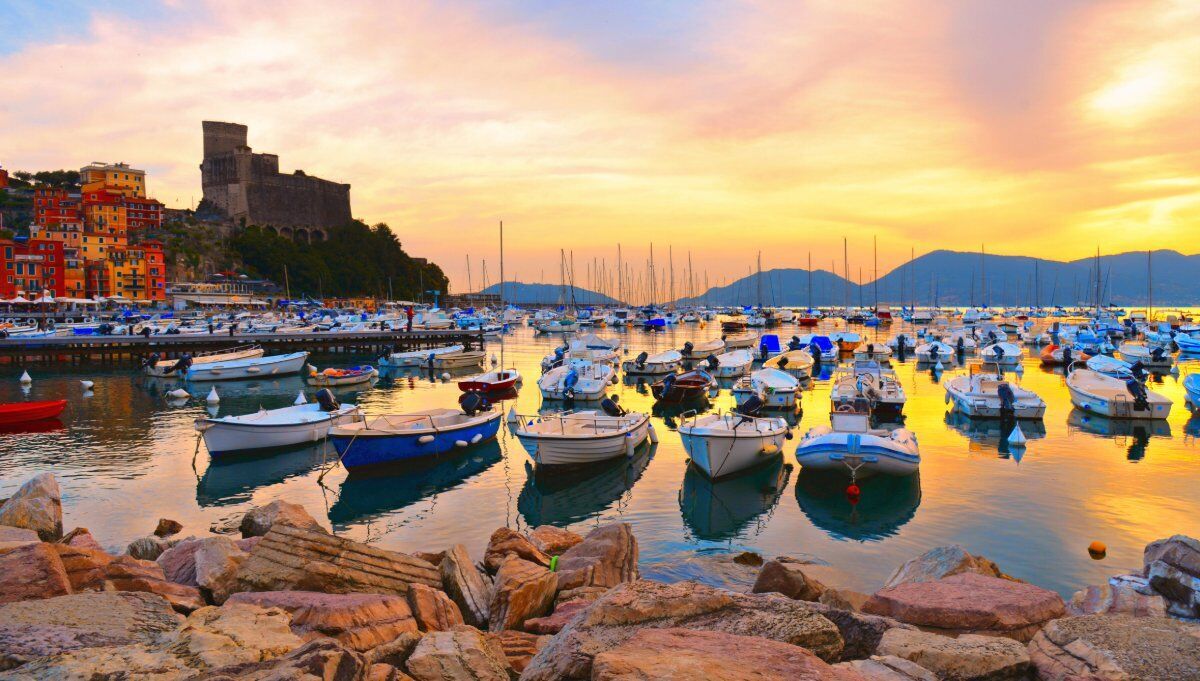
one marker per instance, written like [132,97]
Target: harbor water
[126,454]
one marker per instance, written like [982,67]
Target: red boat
[807,321]
[16,413]
[683,387]
[491,382]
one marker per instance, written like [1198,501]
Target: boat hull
[224,439]
[25,412]
[1117,408]
[718,456]
[282,365]
[833,451]
[566,451]
[325,381]
[366,449]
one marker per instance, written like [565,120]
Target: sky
[719,129]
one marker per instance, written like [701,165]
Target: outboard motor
[763,352]
[640,361]
[750,408]
[815,351]
[667,384]
[472,403]
[1158,353]
[1068,359]
[610,406]
[1008,400]
[326,400]
[961,345]
[783,361]
[794,343]
[712,362]
[901,342]
[991,336]
[182,365]
[152,360]
[1139,371]
[933,353]
[1137,391]
[687,349]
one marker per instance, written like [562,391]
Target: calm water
[125,456]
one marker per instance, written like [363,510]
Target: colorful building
[114,177]
[32,268]
[3,178]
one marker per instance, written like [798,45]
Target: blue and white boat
[1191,384]
[250,367]
[851,445]
[395,438]
[1187,344]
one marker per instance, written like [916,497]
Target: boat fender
[770,449]
[512,415]
[460,443]
[213,397]
[476,438]
[445,375]
[653,434]
[178,394]
[425,439]
[630,447]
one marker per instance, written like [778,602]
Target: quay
[72,348]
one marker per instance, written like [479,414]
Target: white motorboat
[459,360]
[1003,354]
[902,341]
[666,362]
[591,341]
[1152,356]
[798,363]
[581,437]
[166,367]
[871,381]
[731,364]
[776,389]
[722,444]
[742,340]
[566,325]
[271,428]
[935,351]
[251,367]
[1110,366]
[986,394]
[1115,398]
[875,351]
[962,341]
[578,380]
[415,358]
[846,341]
[702,349]
[828,349]
[850,444]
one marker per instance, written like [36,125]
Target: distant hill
[519,293]
[783,287]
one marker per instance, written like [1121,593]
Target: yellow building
[113,177]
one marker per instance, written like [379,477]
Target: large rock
[125,573]
[16,537]
[321,660]
[467,586]
[786,576]
[81,538]
[606,557]
[860,632]
[553,541]
[555,621]
[216,561]
[687,655]
[1117,596]
[85,567]
[147,548]
[459,655]
[167,527]
[523,590]
[433,609]
[32,629]
[37,506]
[943,561]
[260,519]
[395,652]
[969,657]
[1116,647]
[506,542]
[179,562]
[643,604]
[517,647]
[359,621]
[889,668]
[32,571]
[294,559]
[1173,567]
[969,603]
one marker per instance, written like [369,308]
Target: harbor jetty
[274,594]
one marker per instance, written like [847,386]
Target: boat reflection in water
[993,433]
[233,479]
[884,505]
[725,509]
[1136,433]
[387,489]
[565,495]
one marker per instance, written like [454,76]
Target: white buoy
[445,375]
[476,438]
[178,394]
[213,397]
[1020,369]
[25,378]
[1016,437]
[512,414]
[87,385]
[938,366]
[300,399]
[460,443]
[494,360]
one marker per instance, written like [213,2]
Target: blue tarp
[769,341]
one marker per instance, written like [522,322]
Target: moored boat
[459,360]
[982,393]
[355,375]
[165,367]
[849,444]
[583,437]
[415,358]
[252,367]
[1152,356]
[690,385]
[723,444]
[776,389]
[731,364]
[1003,353]
[798,363]
[1115,398]
[577,380]
[645,364]
[491,382]
[14,413]
[274,428]
[870,381]
[394,438]
[741,340]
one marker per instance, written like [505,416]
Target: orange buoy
[1097,550]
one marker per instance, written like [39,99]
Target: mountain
[519,293]
[958,278]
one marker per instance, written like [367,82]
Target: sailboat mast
[846,276]
[810,281]
[875,266]
[758,280]
[1149,290]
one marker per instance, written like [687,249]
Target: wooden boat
[166,367]
[850,444]
[273,428]
[341,377]
[395,438]
[253,367]
[1115,398]
[723,444]
[491,382]
[583,437]
[459,360]
[666,362]
[683,387]
[415,358]
[15,413]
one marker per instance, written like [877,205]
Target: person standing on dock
[408,312]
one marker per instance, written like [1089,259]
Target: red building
[156,270]
[142,214]
[32,268]
[54,207]
[3,178]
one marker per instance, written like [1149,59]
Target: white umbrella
[19,300]
[46,298]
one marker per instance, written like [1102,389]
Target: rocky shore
[290,600]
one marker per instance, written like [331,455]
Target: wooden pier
[79,348]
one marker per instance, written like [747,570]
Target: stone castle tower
[248,188]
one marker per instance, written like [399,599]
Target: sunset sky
[1039,127]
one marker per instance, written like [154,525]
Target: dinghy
[1056,355]
[15,413]
[396,438]
[902,342]
[577,380]
[582,437]
[1110,366]
[1003,354]
[934,352]
[253,367]
[1191,384]
[1115,398]
[742,340]
[459,360]
[775,389]
[153,366]
[666,362]
[415,358]
[690,385]
[875,351]
[849,444]
[333,378]
[1151,356]
[723,444]
[701,349]
[731,364]
[795,362]
[868,380]
[986,394]
[491,382]
[846,341]
[273,428]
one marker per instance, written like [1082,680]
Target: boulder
[37,506]
[385,672]
[553,541]
[843,599]
[125,573]
[888,668]
[260,519]
[1116,597]
[749,558]
[320,660]
[860,632]
[167,527]
[85,567]
[81,538]
[606,557]
[32,629]
[216,561]
[505,542]
[786,576]
[459,655]
[687,655]
[940,562]
[395,652]
[295,559]
[432,608]
[644,604]
[359,621]
[32,571]
[523,590]
[1116,647]
[147,548]
[517,647]
[1172,566]
[431,557]
[555,621]
[466,586]
[179,562]
[969,603]
[969,657]
[16,537]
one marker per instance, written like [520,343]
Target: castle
[249,189]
